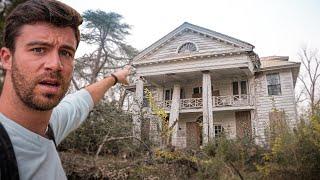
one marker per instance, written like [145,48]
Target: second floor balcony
[218,103]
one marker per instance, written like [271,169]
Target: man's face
[42,64]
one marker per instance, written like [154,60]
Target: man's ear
[6,58]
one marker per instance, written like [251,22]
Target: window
[235,88]
[197,90]
[218,130]
[243,87]
[182,94]
[273,81]
[187,47]
[168,94]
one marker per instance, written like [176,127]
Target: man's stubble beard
[24,88]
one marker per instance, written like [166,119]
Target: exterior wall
[204,44]
[264,102]
[228,121]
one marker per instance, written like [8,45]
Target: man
[40,39]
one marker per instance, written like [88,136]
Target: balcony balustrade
[218,101]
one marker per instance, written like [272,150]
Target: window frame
[170,95]
[267,83]
[239,87]
[199,89]
[217,135]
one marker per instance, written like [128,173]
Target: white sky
[274,27]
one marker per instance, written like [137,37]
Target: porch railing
[167,104]
[191,103]
[234,100]
[218,101]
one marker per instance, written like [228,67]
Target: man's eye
[66,53]
[38,50]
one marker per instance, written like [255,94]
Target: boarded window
[273,81]
[187,47]
[277,122]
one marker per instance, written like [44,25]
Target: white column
[137,109]
[208,130]
[174,112]
[251,100]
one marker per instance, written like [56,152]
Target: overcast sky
[274,27]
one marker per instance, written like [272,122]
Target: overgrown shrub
[294,153]
[231,159]
[104,120]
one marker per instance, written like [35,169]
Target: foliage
[105,34]
[294,154]
[164,128]
[100,133]
[230,159]
[104,120]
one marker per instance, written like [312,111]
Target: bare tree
[309,78]
[106,33]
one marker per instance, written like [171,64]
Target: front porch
[232,124]
[203,92]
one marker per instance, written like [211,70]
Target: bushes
[231,159]
[294,153]
[104,120]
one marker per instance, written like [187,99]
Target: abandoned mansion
[211,83]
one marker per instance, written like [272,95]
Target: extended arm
[98,89]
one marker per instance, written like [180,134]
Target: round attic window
[187,47]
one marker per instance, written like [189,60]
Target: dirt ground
[82,166]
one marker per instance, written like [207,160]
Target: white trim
[267,90]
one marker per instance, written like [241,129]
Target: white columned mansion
[213,83]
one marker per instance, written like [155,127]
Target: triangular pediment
[205,41]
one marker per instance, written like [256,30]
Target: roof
[276,61]
[187,26]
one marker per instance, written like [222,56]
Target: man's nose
[53,62]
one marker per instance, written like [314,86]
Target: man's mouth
[53,83]
[50,85]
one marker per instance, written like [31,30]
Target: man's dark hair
[34,11]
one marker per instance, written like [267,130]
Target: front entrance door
[243,124]
[193,135]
